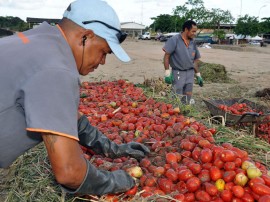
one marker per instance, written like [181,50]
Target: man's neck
[184,36]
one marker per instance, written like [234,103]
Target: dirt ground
[249,67]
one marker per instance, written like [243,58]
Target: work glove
[199,79]
[168,76]
[100,182]
[90,137]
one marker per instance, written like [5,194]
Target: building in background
[133,29]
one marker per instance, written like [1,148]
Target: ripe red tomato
[226,195]
[202,196]
[132,191]
[211,189]
[215,173]
[193,184]
[206,155]
[238,191]
[171,158]
[184,175]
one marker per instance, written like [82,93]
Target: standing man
[182,54]
[39,85]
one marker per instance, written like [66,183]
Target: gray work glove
[90,137]
[100,182]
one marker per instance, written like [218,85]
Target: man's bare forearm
[196,66]
[166,61]
[66,158]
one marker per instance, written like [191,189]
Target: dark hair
[188,24]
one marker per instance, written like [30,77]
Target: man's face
[95,52]
[192,32]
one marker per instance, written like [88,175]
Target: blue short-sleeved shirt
[39,90]
[181,56]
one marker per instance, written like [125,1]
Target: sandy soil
[250,67]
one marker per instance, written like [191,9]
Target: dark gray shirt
[39,85]
[181,56]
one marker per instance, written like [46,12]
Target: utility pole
[240,8]
[142,13]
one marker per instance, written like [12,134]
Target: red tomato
[171,158]
[215,173]
[226,195]
[193,184]
[211,189]
[204,176]
[229,166]
[184,175]
[229,176]
[247,197]
[238,191]
[228,156]
[171,174]
[132,191]
[206,155]
[264,198]
[202,196]
[260,189]
[189,197]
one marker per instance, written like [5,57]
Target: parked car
[158,36]
[165,37]
[254,42]
[140,36]
[146,36]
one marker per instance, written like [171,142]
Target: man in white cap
[39,84]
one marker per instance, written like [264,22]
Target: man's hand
[168,76]
[134,149]
[199,79]
[90,137]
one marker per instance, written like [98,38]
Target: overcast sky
[139,11]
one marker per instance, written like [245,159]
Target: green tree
[164,23]
[265,25]
[13,23]
[247,26]
[217,17]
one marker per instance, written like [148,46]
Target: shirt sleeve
[169,46]
[51,99]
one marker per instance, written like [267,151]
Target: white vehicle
[146,36]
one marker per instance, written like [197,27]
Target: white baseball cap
[100,17]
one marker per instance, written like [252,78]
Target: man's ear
[87,34]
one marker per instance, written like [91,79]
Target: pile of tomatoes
[237,108]
[264,129]
[184,164]
[241,108]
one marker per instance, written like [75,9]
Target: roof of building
[40,20]
[132,25]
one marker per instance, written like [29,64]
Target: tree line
[191,9]
[13,23]
[208,19]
